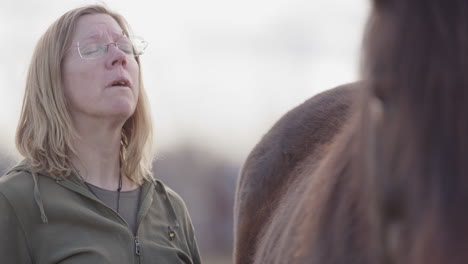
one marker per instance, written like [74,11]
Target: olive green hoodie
[44,220]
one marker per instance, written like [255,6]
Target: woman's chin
[123,107]
[121,111]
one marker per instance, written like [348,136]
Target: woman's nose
[115,56]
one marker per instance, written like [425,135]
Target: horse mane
[416,63]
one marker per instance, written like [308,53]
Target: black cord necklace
[91,190]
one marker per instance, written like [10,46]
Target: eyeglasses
[133,46]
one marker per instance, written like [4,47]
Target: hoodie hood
[22,166]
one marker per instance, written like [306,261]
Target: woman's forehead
[97,26]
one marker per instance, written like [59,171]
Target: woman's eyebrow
[118,35]
[93,36]
[97,35]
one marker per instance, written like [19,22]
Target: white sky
[218,73]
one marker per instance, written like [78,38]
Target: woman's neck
[98,159]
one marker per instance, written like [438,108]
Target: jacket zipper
[136,240]
[137,246]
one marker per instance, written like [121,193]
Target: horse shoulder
[276,160]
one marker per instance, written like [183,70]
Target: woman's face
[105,88]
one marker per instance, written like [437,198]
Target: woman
[84,192]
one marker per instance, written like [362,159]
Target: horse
[374,171]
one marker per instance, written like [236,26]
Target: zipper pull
[137,246]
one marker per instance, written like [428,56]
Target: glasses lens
[126,46]
[91,50]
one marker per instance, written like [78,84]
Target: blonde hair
[45,131]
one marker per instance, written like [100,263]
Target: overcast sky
[218,73]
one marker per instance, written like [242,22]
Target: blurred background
[218,74]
